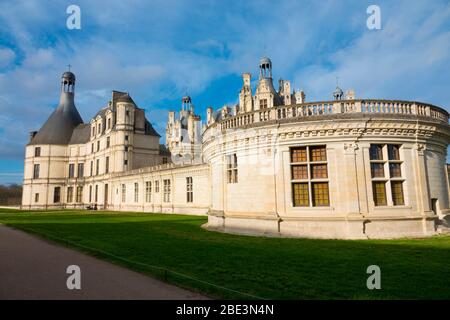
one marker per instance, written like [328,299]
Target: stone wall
[261,202]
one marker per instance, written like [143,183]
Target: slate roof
[101,112]
[59,126]
[163,151]
[125,98]
[65,125]
[81,134]
[149,130]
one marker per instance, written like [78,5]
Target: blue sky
[159,50]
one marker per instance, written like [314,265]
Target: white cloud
[7,57]
[404,60]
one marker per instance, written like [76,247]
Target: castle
[273,164]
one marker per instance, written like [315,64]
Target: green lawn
[270,268]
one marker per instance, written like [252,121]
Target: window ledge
[312,208]
[391,207]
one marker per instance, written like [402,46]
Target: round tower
[46,161]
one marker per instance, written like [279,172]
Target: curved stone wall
[257,147]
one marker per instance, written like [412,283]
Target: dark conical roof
[69,75]
[59,126]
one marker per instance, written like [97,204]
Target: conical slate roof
[59,127]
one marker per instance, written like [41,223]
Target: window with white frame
[71,170]
[79,194]
[136,192]
[107,165]
[386,174]
[124,192]
[69,194]
[57,195]
[148,191]
[309,176]
[36,171]
[166,190]
[232,168]
[189,189]
[80,170]
[263,104]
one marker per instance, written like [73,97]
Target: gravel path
[32,268]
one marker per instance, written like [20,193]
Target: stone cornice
[352,129]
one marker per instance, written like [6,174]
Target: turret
[299,96]
[186,104]
[265,97]
[245,95]
[284,91]
[350,94]
[338,93]
[265,68]
[183,135]
[209,115]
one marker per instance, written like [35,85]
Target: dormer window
[109,123]
[99,128]
[263,104]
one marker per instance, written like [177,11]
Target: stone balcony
[324,108]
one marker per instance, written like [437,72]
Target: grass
[269,268]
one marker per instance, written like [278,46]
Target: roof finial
[338,93]
[69,66]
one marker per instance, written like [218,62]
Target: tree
[10,194]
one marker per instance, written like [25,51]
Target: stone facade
[272,165]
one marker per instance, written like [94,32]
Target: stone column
[422,183]
[355,223]
[350,180]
